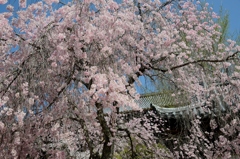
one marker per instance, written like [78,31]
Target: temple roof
[173,104]
[165,99]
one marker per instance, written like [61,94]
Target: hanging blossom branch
[230,57]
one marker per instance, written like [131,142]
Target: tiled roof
[163,99]
[170,104]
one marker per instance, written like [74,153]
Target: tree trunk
[107,147]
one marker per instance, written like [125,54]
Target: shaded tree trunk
[107,146]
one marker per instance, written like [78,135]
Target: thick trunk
[107,146]
[107,149]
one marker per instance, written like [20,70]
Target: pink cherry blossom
[68,77]
[3,1]
[23,3]
[51,1]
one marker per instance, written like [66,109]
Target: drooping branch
[230,57]
[130,138]
[206,60]
[68,81]
[85,132]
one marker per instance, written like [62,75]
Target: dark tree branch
[166,3]
[131,142]
[206,60]
[230,57]
[85,132]
[69,79]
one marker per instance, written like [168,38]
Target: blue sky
[233,7]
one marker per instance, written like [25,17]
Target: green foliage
[171,99]
[223,21]
[140,151]
[238,39]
